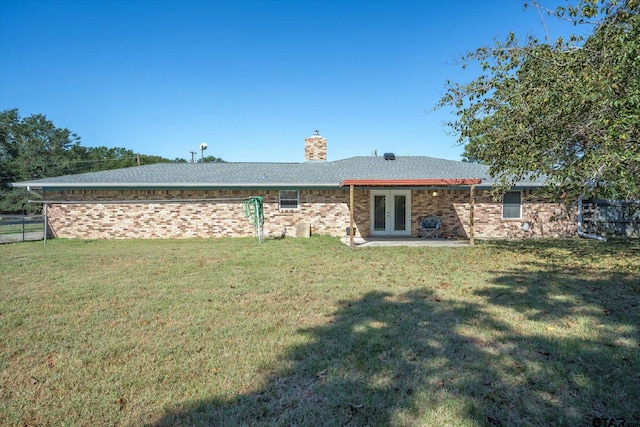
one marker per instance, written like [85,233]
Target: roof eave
[410,182]
[176,185]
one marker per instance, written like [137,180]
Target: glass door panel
[379,212]
[390,212]
[400,212]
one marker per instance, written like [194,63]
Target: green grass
[310,332]
[20,228]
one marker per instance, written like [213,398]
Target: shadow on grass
[507,355]
[559,250]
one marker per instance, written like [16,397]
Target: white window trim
[288,208]
[519,213]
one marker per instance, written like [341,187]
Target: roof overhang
[56,186]
[409,182]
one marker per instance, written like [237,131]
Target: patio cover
[410,183]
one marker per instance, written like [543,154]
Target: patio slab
[404,241]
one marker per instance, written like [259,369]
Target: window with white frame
[289,199]
[512,205]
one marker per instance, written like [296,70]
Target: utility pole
[193,153]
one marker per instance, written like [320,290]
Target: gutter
[137,201]
[581,233]
[410,182]
[171,185]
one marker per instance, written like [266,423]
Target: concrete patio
[404,241]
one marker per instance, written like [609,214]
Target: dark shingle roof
[308,174]
[408,167]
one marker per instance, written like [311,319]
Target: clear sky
[252,79]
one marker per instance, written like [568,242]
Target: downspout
[581,233]
[38,195]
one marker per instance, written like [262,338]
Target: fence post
[44,236]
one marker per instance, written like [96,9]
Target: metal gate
[20,228]
[612,218]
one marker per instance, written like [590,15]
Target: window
[512,205]
[289,199]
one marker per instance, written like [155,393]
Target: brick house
[387,196]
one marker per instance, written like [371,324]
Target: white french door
[390,212]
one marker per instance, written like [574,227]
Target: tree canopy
[566,111]
[211,159]
[33,148]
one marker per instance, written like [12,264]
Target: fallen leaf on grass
[121,401]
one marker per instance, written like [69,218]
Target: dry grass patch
[310,332]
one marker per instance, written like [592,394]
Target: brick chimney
[315,147]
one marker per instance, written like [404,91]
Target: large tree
[567,111]
[32,148]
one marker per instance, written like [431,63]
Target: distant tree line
[34,148]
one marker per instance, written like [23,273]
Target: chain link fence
[20,228]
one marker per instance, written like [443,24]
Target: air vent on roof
[389,156]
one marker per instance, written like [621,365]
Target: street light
[203,147]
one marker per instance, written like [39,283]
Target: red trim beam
[409,182]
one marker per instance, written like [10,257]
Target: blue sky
[252,79]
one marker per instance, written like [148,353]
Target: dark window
[512,205]
[289,199]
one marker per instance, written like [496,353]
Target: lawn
[303,332]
